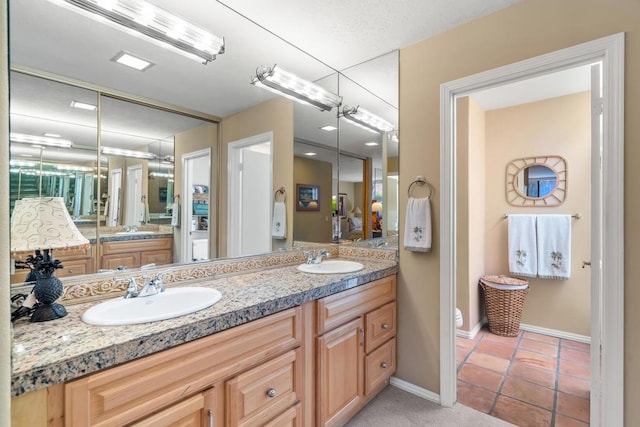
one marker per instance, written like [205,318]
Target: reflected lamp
[40,225]
[287,84]
[366,120]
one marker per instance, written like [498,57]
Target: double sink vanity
[278,342]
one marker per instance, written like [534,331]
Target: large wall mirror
[144,151]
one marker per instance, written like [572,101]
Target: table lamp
[40,225]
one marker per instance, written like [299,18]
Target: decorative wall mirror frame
[543,189]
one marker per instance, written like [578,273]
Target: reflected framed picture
[307,197]
[342,205]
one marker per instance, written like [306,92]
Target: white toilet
[459,320]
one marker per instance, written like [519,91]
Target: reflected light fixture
[83,106]
[310,154]
[371,144]
[40,140]
[329,128]
[145,18]
[287,84]
[128,153]
[366,120]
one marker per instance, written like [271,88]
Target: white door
[250,195]
[115,189]
[133,195]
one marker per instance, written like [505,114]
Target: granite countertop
[62,350]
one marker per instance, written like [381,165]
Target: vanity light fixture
[52,135]
[366,120]
[22,163]
[371,144]
[147,19]
[74,168]
[83,106]
[310,154]
[161,175]
[40,140]
[287,84]
[128,153]
[329,128]
[132,61]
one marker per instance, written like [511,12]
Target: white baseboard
[555,333]
[414,389]
[471,334]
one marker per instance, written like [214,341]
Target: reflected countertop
[58,351]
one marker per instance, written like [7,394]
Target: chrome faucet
[316,258]
[132,229]
[151,287]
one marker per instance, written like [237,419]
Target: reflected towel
[522,245]
[417,227]
[175,215]
[279,222]
[554,246]
[143,216]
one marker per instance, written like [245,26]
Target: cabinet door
[129,260]
[203,410]
[340,373]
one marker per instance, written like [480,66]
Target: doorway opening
[607,237]
[196,209]
[250,171]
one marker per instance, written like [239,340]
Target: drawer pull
[210,414]
[385,326]
[271,392]
[384,365]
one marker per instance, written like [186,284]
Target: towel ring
[282,191]
[143,199]
[176,198]
[421,180]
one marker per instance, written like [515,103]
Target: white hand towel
[279,223]
[554,246]
[175,215]
[522,245]
[417,226]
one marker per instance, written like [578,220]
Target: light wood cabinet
[136,253]
[356,359]
[75,261]
[341,374]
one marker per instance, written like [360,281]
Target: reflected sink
[166,305]
[133,233]
[331,267]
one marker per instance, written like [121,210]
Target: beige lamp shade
[376,206]
[357,211]
[43,223]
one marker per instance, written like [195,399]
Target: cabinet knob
[271,392]
[384,365]
[385,326]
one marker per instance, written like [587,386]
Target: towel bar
[574,216]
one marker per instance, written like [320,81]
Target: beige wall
[199,138]
[561,127]
[313,226]
[522,31]
[5,332]
[471,209]
[272,116]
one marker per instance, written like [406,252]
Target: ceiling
[313,39]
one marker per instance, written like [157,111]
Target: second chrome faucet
[150,287]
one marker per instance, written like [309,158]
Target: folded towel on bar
[417,226]
[175,215]
[554,246]
[522,245]
[279,221]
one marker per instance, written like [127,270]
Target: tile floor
[528,380]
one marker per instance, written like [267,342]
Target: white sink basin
[331,267]
[166,305]
[133,233]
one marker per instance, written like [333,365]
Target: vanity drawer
[136,245]
[379,366]
[156,257]
[76,267]
[129,260]
[128,392]
[292,417]
[263,392]
[380,326]
[339,308]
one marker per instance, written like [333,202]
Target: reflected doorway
[115,189]
[250,195]
[133,192]
[196,167]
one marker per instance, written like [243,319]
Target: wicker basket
[504,301]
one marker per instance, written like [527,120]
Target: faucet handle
[132,287]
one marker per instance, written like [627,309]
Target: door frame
[187,199]
[234,186]
[607,227]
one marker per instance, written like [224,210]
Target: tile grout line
[506,372]
[555,389]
